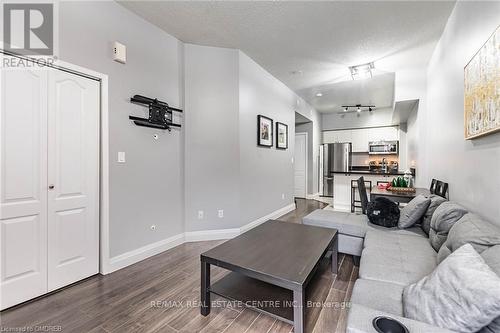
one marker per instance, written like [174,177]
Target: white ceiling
[309,45]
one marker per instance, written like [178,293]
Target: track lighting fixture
[357,108]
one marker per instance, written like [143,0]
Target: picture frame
[481,97]
[281,136]
[264,131]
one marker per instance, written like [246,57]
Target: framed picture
[481,92]
[264,131]
[281,136]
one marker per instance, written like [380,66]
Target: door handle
[51,187]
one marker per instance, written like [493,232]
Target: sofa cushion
[473,230]
[462,294]
[345,222]
[413,211]
[396,258]
[360,320]
[378,295]
[398,239]
[445,216]
[492,258]
[436,201]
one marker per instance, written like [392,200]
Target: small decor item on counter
[281,136]
[264,131]
[408,178]
[399,184]
[384,186]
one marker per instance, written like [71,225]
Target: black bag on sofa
[383,212]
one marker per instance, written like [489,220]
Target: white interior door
[73,178]
[300,165]
[23,185]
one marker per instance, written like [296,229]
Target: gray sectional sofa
[392,259]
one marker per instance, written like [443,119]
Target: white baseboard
[206,235]
[271,216]
[132,257]
[312,196]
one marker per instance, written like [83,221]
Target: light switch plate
[121,157]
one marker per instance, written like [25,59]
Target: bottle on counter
[408,177]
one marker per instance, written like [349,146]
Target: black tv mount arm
[160,113]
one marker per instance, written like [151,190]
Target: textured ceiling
[308,45]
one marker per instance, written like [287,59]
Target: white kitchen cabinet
[329,136]
[383,134]
[337,136]
[344,136]
[360,140]
[362,136]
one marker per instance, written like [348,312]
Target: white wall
[266,173]
[472,168]
[212,137]
[148,189]
[225,90]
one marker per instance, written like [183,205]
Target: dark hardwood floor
[161,294]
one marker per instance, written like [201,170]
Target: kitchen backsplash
[365,159]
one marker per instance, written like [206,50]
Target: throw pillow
[413,211]
[462,294]
[436,200]
[473,230]
[492,258]
[383,212]
[445,216]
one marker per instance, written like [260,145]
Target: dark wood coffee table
[271,266]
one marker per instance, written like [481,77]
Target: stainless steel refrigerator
[334,157]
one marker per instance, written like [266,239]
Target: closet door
[23,185]
[73,178]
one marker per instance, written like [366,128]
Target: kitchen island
[342,185]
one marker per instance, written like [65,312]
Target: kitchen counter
[342,185]
[368,172]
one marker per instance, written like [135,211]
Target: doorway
[300,165]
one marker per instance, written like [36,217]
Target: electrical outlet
[153,227]
[200,214]
[221,213]
[282,196]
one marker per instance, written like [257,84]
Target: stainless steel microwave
[383,147]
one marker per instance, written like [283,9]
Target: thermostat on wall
[119,52]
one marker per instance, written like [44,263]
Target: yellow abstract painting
[482,90]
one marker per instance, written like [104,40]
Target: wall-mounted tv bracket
[160,113]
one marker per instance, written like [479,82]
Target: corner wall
[472,168]
[266,173]
[148,188]
[212,147]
